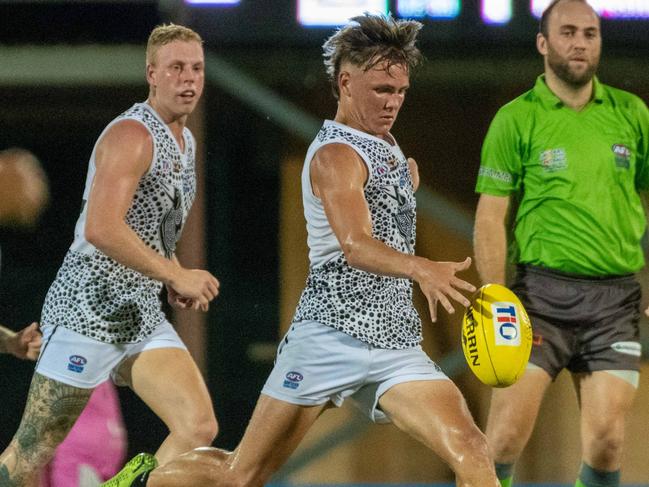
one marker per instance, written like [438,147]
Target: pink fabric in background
[97,440]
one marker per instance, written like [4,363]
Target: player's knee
[472,462]
[505,443]
[472,451]
[206,431]
[605,446]
[478,446]
[198,429]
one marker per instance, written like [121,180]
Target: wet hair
[545,16]
[166,33]
[369,40]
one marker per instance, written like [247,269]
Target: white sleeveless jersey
[92,293]
[372,308]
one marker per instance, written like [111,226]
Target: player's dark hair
[369,40]
[545,16]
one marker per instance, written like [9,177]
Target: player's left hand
[25,344]
[646,311]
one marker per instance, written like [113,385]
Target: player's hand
[177,301]
[25,344]
[193,289]
[439,284]
[414,173]
[646,311]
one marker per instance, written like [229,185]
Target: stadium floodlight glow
[538,6]
[435,9]
[496,11]
[213,2]
[315,13]
[607,9]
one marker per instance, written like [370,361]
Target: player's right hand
[26,344]
[439,284]
[194,288]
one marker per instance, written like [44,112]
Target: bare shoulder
[128,142]
[338,158]
[335,167]
[126,133]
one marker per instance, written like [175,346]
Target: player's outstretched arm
[338,176]
[490,238]
[24,344]
[123,156]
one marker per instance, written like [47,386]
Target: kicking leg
[435,413]
[51,410]
[274,432]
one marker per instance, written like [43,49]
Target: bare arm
[338,176]
[5,337]
[123,156]
[490,238]
[644,197]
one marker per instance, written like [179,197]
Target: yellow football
[496,336]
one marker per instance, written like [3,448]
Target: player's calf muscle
[5,478]
[52,408]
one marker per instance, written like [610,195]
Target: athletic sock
[505,473]
[589,477]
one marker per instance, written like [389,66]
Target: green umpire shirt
[574,178]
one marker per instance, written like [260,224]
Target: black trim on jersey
[56,327]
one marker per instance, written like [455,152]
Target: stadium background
[68,67]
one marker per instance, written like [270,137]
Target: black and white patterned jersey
[373,308]
[92,293]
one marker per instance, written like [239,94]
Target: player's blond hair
[166,33]
[369,40]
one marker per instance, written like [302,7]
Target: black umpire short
[583,324]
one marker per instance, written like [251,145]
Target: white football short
[79,361]
[316,363]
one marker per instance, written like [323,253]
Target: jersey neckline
[363,134]
[148,107]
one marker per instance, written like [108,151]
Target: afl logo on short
[506,324]
[77,363]
[293,380]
